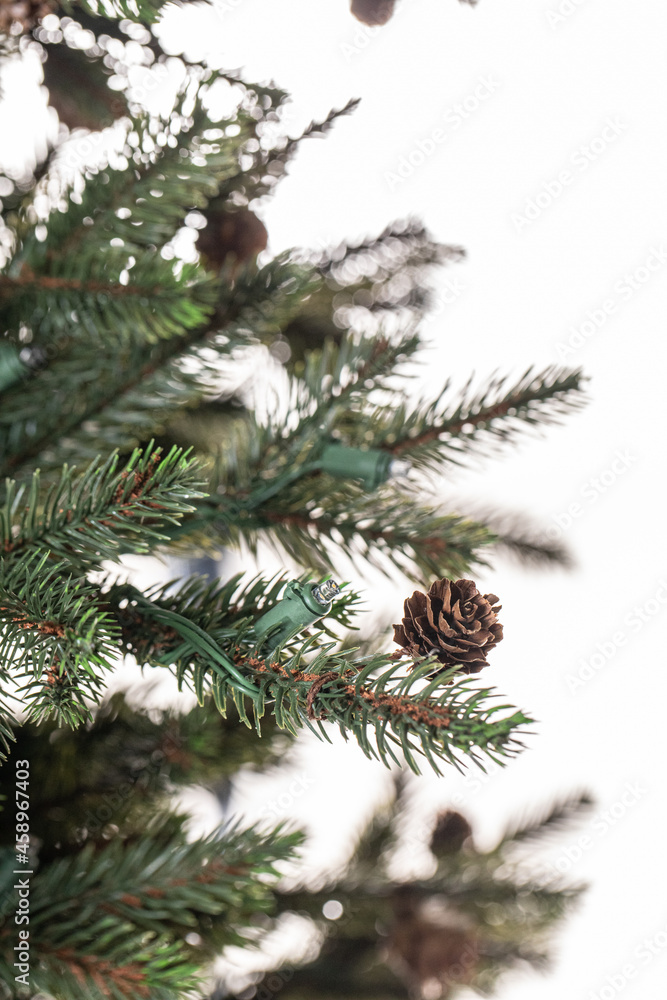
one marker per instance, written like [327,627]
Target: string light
[301,605]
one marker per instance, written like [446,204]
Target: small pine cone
[454,622]
[450,833]
[373,12]
[424,952]
[239,235]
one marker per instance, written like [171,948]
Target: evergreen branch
[101,513]
[371,286]
[335,377]
[97,305]
[444,716]
[143,11]
[517,536]
[531,549]
[253,455]
[385,530]
[54,638]
[162,880]
[136,969]
[94,400]
[42,605]
[443,432]
[120,767]
[403,242]
[142,207]
[333,688]
[320,128]
[267,166]
[558,815]
[115,918]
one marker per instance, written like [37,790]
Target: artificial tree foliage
[471,917]
[126,428]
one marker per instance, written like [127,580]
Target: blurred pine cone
[373,12]
[427,948]
[450,833]
[235,234]
[452,621]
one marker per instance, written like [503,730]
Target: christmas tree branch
[86,519]
[55,638]
[142,11]
[442,715]
[255,456]
[485,892]
[516,535]
[267,166]
[145,206]
[166,881]
[118,914]
[320,128]
[94,399]
[558,815]
[386,530]
[54,635]
[405,243]
[441,432]
[120,766]
[158,304]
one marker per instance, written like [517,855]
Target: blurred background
[530,133]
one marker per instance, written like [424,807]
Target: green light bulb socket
[370,465]
[302,605]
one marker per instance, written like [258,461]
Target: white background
[518,300]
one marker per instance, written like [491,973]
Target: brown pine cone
[372,12]
[454,622]
[451,832]
[423,949]
[235,234]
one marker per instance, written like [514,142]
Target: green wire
[200,641]
[203,642]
